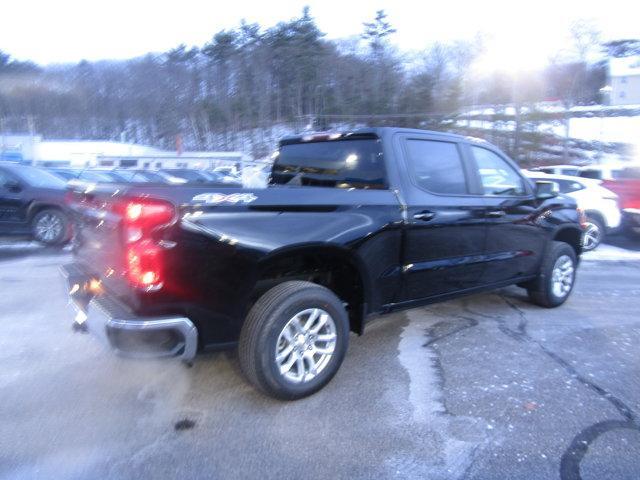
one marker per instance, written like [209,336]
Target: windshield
[65,174]
[39,178]
[337,164]
[150,177]
[102,177]
[189,175]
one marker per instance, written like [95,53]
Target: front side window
[39,178]
[497,176]
[436,166]
[629,173]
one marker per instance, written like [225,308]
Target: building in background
[31,149]
[624,78]
[164,159]
[18,148]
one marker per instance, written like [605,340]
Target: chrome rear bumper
[129,335]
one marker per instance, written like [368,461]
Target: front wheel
[557,276]
[50,227]
[294,340]
[593,234]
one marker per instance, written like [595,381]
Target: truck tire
[50,227]
[294,340]
[593,234]
[557,276]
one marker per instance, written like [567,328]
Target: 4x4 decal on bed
[222,198]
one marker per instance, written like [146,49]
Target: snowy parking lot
[488,386]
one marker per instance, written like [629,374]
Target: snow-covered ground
[599,127]
[611,253]
[602,129]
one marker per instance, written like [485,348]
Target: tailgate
[98,244]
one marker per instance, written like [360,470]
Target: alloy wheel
[48,228]
[562,276]
[305,345]
[591,237]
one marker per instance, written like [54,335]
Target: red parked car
[627,187]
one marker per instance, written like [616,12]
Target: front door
[445,229]
[514,241]
[12,207]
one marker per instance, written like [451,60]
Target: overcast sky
[53,31]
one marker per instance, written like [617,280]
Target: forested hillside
[233,91]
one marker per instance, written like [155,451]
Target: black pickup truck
[352,225]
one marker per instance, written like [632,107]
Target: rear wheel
[50,226]
[294,340]
[557,276]
[593,234]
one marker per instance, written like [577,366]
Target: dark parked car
[32,202]
[65,173]
[87,175]
[352,225]
[193,176]
[149,176]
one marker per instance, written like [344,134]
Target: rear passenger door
[444,227]
[514,241]
[13,205]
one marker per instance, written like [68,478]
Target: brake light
[144,257]
[582,217]
[69,197]
[145,266]
[148,214]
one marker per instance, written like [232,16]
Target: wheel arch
[332,266]
[571,235]
[37,207]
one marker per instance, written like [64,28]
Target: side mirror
[546,189]
[13,186]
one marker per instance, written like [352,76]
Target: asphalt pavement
[488,386]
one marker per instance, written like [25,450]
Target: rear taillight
[148,214]
[582,217]
[144,265]
[69,197]
[144,257]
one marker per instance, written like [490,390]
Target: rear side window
[336,164]
[3,179]
[436,166]
[568,186]
[497,176]
[591,174]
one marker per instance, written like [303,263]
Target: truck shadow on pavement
[16,249]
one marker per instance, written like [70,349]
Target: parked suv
[599,204]
[352,225]
[32,202]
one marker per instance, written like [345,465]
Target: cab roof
[371,132]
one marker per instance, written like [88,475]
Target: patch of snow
[610,253]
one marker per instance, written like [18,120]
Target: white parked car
[599,204]
[572,170]
[607,172]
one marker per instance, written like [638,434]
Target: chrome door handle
[495,214]
[424,216]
